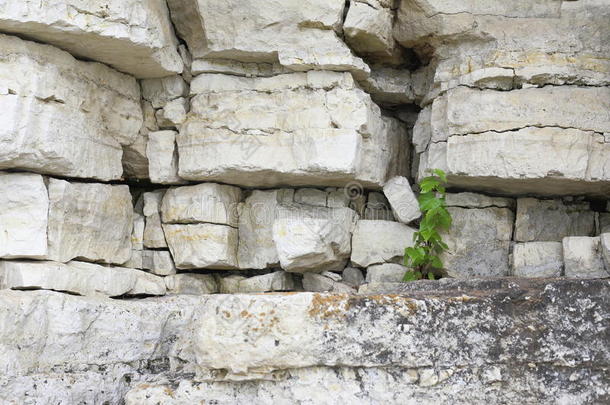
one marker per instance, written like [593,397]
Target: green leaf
[430,276]
[436,262]
[440,174]
[409,276]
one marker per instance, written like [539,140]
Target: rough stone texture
[552,220]
[133,36]
[202,246]
[479,242]
[173,114]
[315,129]
[605,242]
[63,116]
[311,196]
[472,200]
[74,277]
[385,273]
[147,284]
[378,207]
[276,281]
[89,221]
[159,92]
[209,202]
[322,283]
[257,214]
[192,284]
[376,242]
[583,257]
[163,158]
[313,239]
[352,276]
[520,141]
[158,262]
[440,342]
[298,36]
[402,200]
[604,222]
[154,238]
[135,161]
[537,259]
[24,209]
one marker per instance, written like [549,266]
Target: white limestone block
[473,200]
[385,273]
[605,243]
[158,262]
[310,196]
[538,259]
[163,158]
[583,257]
[133,36]
[402,199]
[191,284]
[173,114]
[311,239]
[377,242]
[202,203]
[89,221]
[63,116]
[368,29]
[159,92]
[277,281]
[147,284]
[257,214]
[200,246]
[319,283]
[24,207]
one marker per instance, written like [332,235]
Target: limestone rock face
[385,273]
[74,277]
[89,221]
[133,36]
[521,141]
[479,242]
[154,238]
[257,214]
[202,246]
[552,220]
[276,281]
[538,259]
[163,157]
[315,128]
[377,242]
[24,210]
[192,284]
[313,239]
[299,36]
[63,116]
[209,202]
[321,283]
[583,257]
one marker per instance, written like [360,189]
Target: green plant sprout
[423,258]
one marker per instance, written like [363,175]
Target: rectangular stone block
[315,128]
[202,246]
[378,242]
[89,221]
[24,207]
[133,36]
[63,116]
[538,259]
[583,257]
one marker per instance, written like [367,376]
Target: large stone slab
[24,203]
[378,242]
[89,221]
[298,36]
[202,246]
[442,339]
[537,259]
[315,128]
[133,36]
[583,257]
[62,116]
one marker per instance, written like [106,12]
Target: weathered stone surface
[479,242]
[137,242]
[604,222]
[368,29]
[190,283]
[472,200]
[277,281]
[311,196]
[229,284]
[321,283]
[582,257]
[376,242]
[402,199]
[158,262]
[162,158]
[74,277]
[63,116]
[135,161]
[353,277]
[538,259]
[282,32]
[133,36]
[520,141]
[202,246]
[147,284]
[313,239]
[552,220]
[257,214]
[159,92]
[447,349]
[24,209]
[315,129]
[385,273]
[605,243]
[173,114]
[89,221]
[208,202]
[154,238]
[378,208]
